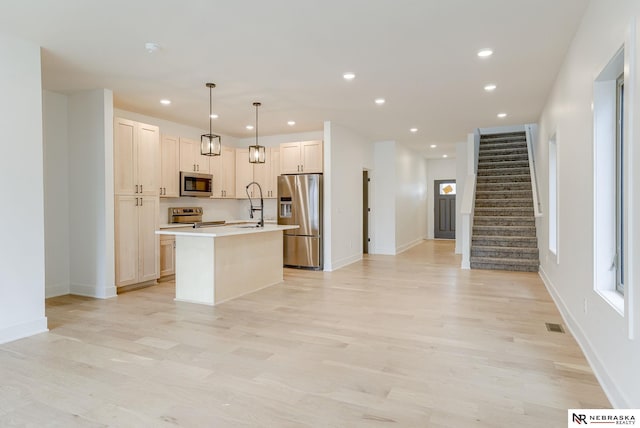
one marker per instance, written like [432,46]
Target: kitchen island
[215,264]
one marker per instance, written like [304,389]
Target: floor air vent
[555,328]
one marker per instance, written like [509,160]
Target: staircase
[504,230]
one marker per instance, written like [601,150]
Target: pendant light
[210,144]
[256,153]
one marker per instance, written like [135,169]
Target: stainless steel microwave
[196,184]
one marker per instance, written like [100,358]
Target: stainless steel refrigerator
[300,202]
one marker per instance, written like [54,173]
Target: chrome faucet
[252,208]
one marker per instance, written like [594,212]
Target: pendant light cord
[210,110]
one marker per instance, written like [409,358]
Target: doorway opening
[365,212]
[444,220]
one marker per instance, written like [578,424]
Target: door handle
[141,201]
[136,188]
[136,202]
[141,188]
[194,166]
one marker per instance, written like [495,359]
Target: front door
[445,209]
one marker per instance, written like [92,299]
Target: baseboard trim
[338,264]
[92,291]
[405,247]
[385,251]
[615,396]
[55,290]
[22,330]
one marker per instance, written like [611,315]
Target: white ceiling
[420,55]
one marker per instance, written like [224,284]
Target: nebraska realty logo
[599,417]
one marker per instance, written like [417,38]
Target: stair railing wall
[529,131]
[469,196]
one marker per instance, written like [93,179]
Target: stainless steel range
[191,215]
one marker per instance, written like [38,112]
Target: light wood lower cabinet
[136,244]
[167,255]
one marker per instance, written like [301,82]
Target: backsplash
[218,209]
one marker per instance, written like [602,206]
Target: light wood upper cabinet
[136,151]
[170,167]
[263,173]
[301,157]
[190,158]
[223,169]
[267,173]
[244,173]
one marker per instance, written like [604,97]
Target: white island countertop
[226,230]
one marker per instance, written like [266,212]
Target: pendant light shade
[257,152]
[210,144]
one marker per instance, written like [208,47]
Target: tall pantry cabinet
[137,202]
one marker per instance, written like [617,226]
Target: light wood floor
[408,341]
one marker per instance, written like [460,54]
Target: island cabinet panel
[167,255]
[223,169]
[305,157]
[136,197]
[170,167]
[190,158]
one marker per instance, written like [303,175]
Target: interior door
[445,209]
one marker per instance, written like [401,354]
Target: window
[609,182]
[553,197]
[619,184]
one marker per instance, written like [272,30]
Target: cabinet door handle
[136,188]
[141,201]
[194,166]
[141,188]
[198,166]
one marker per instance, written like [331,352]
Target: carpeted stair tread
[496,231]
[520,202]
[504,264]
[503,171]
[483,179]
[514,185]
[504,211]
[504,221]
[504,194]
[505,241]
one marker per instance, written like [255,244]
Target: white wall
[400,203]
[601,331]
[22,253]
[461,178]
[437,169]
[411,198]
[384,200]
[56,192]
[349,154]
[91,211]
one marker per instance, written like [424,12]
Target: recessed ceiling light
[165,102]
[490,87]
[152,47]
[380,101]
[249,127]
[214,116]
[433,146]
[291,122]
[349,76]
[484,53]
[445,156]
[502,115]
[414,130]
